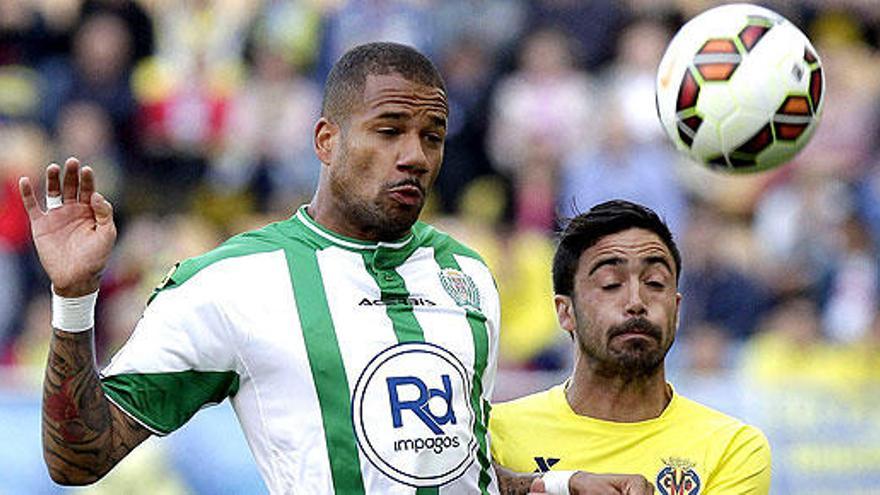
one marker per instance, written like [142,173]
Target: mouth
[636,329]
[634,335]
[407,194]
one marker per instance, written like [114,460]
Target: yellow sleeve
[744,468]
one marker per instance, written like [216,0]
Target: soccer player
[356,344]
[615,275]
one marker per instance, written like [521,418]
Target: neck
[327,212]
[328,216]
[620,399]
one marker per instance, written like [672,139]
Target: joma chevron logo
[545,463]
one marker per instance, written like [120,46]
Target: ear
[677,310]
[565,313]
[326,134]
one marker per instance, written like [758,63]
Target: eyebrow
[650,260]
[438,121]
[605,262]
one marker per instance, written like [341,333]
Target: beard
[632,359]
[386,220]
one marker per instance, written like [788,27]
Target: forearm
[512,483]
[79,444]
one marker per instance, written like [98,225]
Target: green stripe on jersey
[147,396]
[380,264]
[395,294]
[328,371]
[477,321]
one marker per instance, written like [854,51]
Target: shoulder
[702,413]
[443,243]
[741,452]
[264,240]
[729,430]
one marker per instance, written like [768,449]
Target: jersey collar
[559,392]
[302,215]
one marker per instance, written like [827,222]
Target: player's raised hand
[582,483]
[76,233]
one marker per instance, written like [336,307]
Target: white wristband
[73,314]
[556,482]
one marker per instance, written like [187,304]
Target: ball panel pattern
[759,142]
[688,92]
[717,59]
[750,35]
[816,88]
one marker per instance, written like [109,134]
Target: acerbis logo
[395,301]
[412,414]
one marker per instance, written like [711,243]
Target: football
[740,89]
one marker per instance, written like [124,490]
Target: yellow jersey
[690,449]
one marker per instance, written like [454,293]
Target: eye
[610,287]
[655,284]
[388,131]
[434,138]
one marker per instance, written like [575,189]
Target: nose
[412,157]
[635,304]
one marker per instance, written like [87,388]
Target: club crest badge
[678,477]
[461,288]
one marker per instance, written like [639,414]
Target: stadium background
[197,115]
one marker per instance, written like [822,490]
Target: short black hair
[585,230]
[345,84]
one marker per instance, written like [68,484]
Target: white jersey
[353,367]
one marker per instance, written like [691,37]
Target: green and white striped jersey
[353,367]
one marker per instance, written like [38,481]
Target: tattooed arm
[84,435]
[512,483]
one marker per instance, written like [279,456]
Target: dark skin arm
[513,483]
[84,434]
[581,483]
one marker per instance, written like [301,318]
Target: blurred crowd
[197,118]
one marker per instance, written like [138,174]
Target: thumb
[537,486]
[103,210]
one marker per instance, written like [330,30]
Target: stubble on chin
[636,360]
[631,361]
[382,219]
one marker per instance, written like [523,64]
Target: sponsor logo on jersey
[412,414]
[545,463]
[678,477]
[395,301]
[461,288]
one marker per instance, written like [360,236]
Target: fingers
[53,180]
[86,185]
[103,210]
[638,485]
[64,186]
[70,180]
[29,199]
[537,486]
